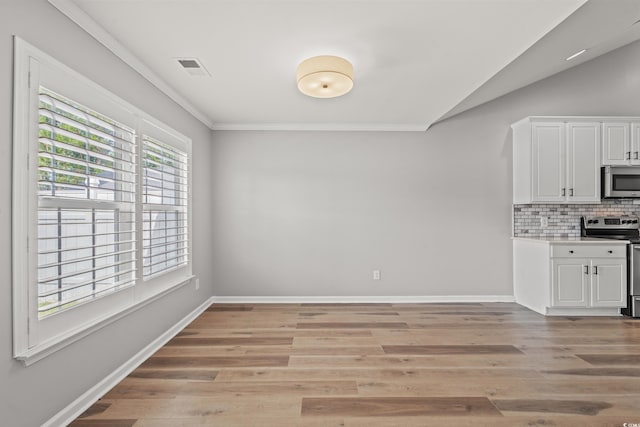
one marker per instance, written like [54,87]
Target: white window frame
[34,338]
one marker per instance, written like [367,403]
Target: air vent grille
[192,66]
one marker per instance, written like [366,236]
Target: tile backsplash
[564,220]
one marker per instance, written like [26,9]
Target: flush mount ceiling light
[325,76]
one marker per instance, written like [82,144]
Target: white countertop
[573,240]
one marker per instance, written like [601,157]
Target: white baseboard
[82,403]
[363,299]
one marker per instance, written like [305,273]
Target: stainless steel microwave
[621,182]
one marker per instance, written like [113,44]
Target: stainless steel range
[620,228]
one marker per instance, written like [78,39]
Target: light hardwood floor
[372,365]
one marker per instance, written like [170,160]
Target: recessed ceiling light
[576,54]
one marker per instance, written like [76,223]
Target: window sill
[47,348]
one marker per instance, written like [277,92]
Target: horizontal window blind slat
[175,190]
[53,251]
[147,171]
[165,151]
[46,280]
[49,202]
[82,187]
[116,164]
[118,286]
[54,221]
[182,241]
[66,105]
[88,258]
[85,283]
[148,162]
[125,147]
[76,236]
[181,256]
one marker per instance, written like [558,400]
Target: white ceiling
[414,60]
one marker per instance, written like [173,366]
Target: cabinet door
[608,282]
[548,162]
[635,143]
[570,282]
[583,162]
[616,148]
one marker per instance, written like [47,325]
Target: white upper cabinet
[635,143]
[583,162]
[616,144]
[556,161]
[548,162]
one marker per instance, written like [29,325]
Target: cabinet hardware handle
[571,192]
[595,269]
[628,155]
[635,155]
[563,191]
[586,269]
[610,252]
[570,252]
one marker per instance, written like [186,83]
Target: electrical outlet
[197,283]
[376,274]
[544,221]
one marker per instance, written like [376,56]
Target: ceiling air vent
[193,66]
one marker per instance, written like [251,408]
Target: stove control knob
[635,221]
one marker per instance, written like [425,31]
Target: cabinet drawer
[588,251]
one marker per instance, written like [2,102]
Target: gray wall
[30,396]
[313,213]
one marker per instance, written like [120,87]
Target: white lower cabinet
[570,283]
[587,282]
[561,278]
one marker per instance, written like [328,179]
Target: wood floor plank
[198,341]
[352,325]
[158,390]
[611,359]
[598,372]
[214,362]
[174,374]
[398,406]
[450,349]
[578,407]
[97,408]
[533,420]
[103,423]
[403,376]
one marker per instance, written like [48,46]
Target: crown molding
[328,127]
[88,24]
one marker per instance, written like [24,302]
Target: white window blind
[100,213]
[86,204]
[165,201]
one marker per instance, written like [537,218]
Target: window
[86,204]
[101,210]
[164,240]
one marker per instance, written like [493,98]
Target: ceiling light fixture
[576,54]
[325,76]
